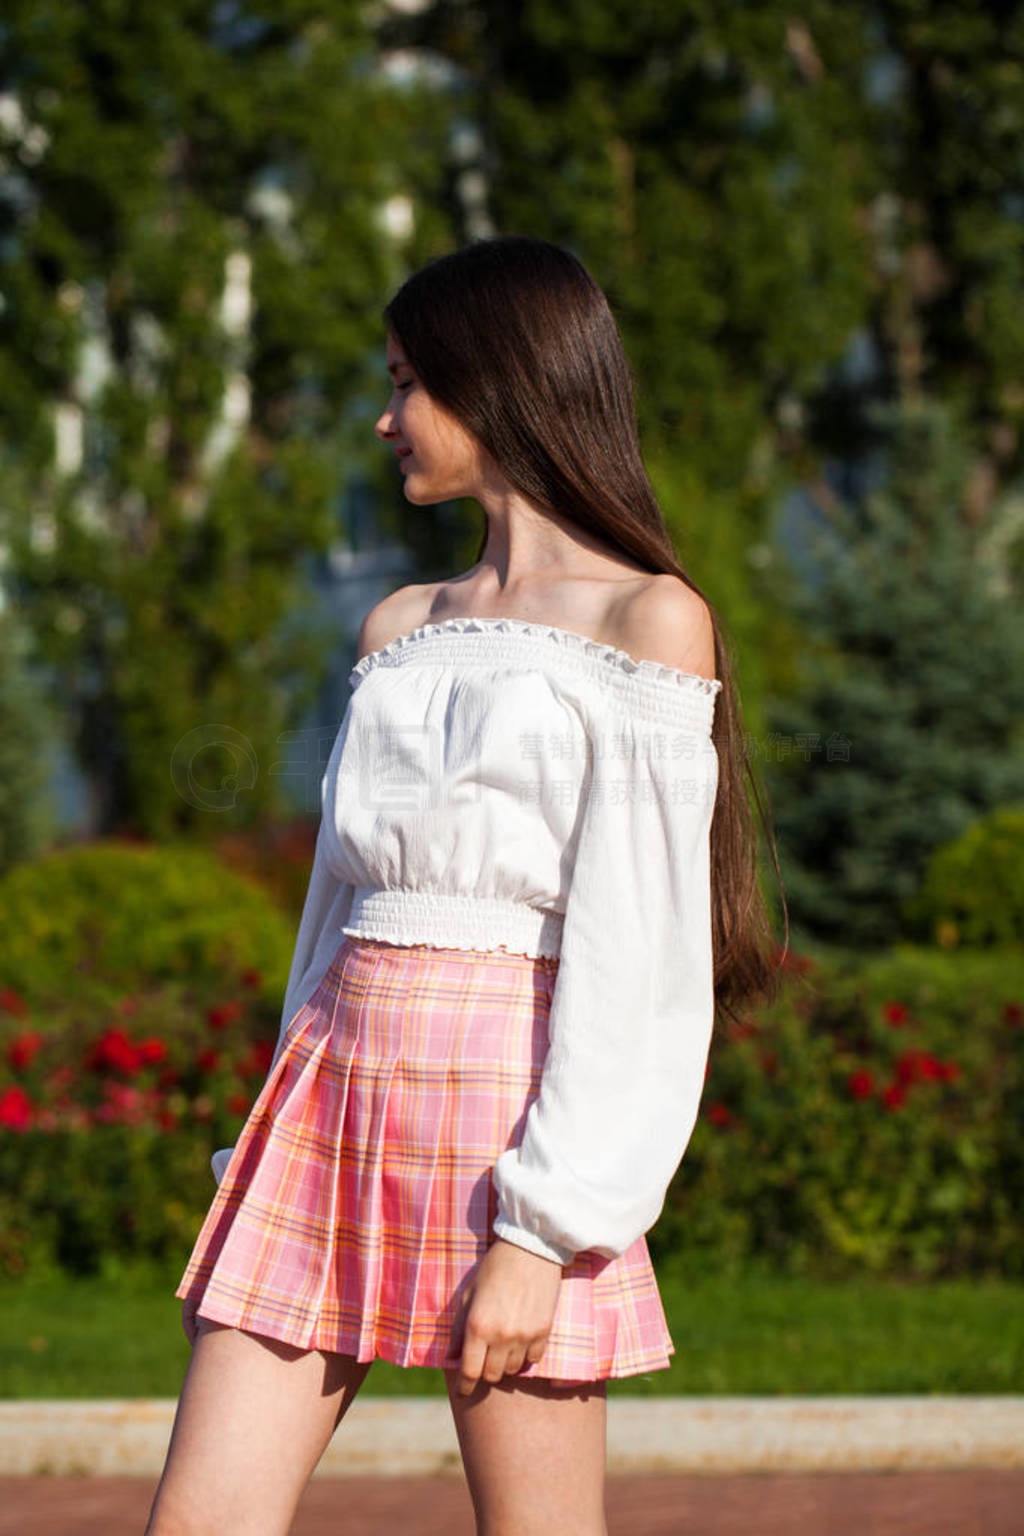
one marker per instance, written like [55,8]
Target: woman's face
[438,459]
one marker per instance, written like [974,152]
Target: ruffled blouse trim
[574,646]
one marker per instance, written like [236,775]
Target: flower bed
[107,1123]
[870,1124]
[140,998]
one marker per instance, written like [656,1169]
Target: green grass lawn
[121,1337]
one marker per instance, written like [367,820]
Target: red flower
[238,1104]
[719,1113]
[769,1062]
[860,1085]
[152,1051]
[1013,1013]
[23,1050]
[113,1051]
[895,1096]
[909,1066]
[931,1067]
[895,1014]
[922,1066]
[128,1006]
[256,1061]
[221,1017]
[252,978]
[208,1060]
[167,1120]
[122,1104]
[15,1109]
[12,1002]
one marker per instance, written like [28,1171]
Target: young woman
[534,880]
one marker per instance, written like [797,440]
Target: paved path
[833,1504]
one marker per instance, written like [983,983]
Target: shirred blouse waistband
[448,921]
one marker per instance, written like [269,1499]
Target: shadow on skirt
[358,1199]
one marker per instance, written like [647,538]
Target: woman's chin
[423,491]
[419,490]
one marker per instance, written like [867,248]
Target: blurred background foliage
[809,222]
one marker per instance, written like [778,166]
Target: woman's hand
[507,1311]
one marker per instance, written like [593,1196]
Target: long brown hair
[516,340]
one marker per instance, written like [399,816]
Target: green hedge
[973,889]
[96,918]
[140,996]
[108,1119]
[870,1123]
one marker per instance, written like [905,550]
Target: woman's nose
[384,426]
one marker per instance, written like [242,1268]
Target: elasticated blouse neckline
[486,640]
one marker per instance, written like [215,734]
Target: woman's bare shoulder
[664,620]
[399,613]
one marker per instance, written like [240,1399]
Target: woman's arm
[632,1009]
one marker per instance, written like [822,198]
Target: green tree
[26,821]
[905,723]
[949,135]
[714,182]
[794,213]
[199,232]
[713,191]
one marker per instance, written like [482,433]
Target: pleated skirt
[358,1200]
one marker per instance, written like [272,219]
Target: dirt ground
[845,1504]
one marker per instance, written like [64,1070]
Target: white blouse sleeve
[633,1003]
[327,906]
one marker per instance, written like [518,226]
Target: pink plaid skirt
[358,1199]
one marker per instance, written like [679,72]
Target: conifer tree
[905,722]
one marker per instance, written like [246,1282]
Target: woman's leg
[534,1454]
[253,1420]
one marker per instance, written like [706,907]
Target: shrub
[108,1117]
[869,1122]
[95,919]
[973,889]
[140,996]
[276,856]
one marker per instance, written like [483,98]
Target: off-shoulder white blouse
[501,784]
